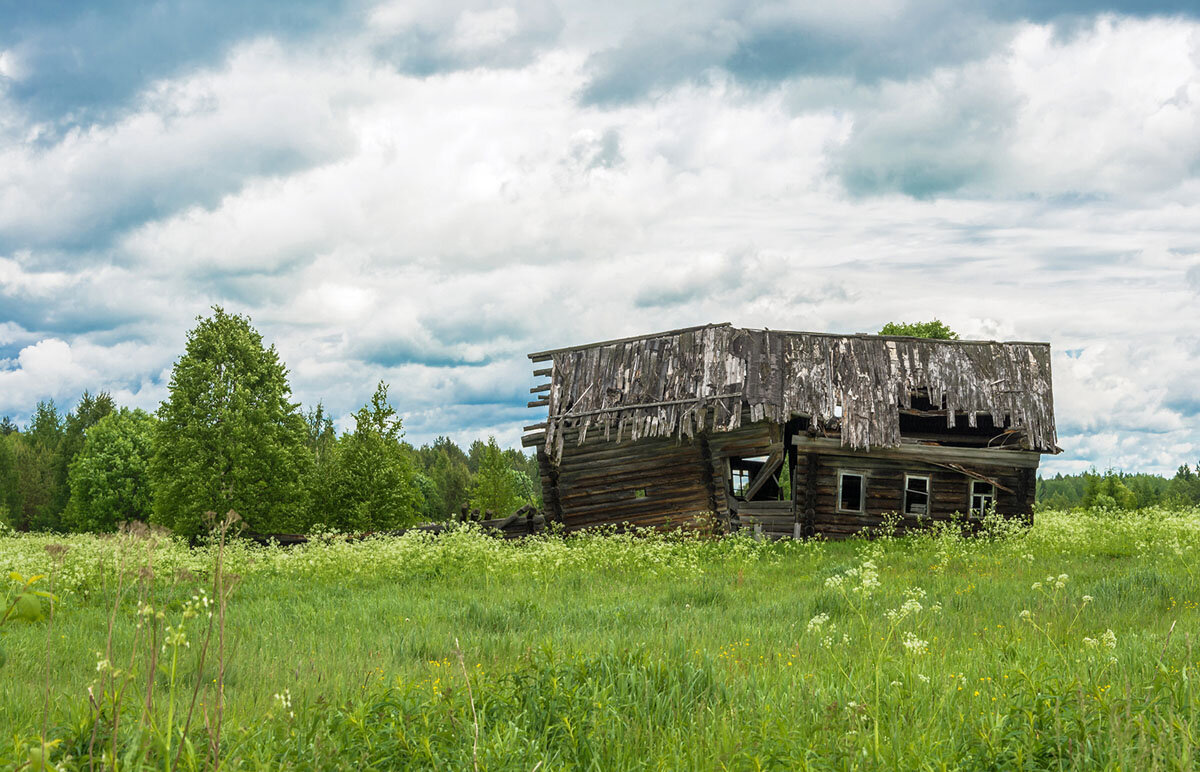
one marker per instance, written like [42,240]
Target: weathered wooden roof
[681,382]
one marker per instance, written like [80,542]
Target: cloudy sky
[423,192]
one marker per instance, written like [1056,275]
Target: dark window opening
[983,497]
[851,491]
[916,495]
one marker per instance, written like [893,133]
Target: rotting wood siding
[685,382]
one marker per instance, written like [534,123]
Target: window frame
[928,478]
[971,509]
[735,475]
[862,491]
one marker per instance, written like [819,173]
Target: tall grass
[1067,646]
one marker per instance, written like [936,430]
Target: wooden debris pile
[526,521]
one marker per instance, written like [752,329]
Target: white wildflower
[1087,599]
[1109,639]
[913,644]
[924,678]
[1091,643]
[817,623]
[910,607]
[1027,615]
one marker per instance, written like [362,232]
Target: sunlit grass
[1071,645]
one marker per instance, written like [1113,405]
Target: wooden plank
[765,473]
[986,456]
[539,403]
[539,389]
[976,476]
[545,371]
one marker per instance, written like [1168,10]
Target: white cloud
[429,229]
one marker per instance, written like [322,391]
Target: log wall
[599,481]
[685,480]
[817,476]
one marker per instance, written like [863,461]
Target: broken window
[640,493]
[916,494]
[851,494]
[983,497]
[755,478]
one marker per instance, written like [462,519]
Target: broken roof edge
[542,356]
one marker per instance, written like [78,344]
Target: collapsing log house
[790,434]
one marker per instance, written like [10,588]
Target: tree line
[228,436]
[1120,490]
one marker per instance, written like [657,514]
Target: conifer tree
[496,487]
[376,488]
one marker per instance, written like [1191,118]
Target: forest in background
[1114,489]
[53,479]
[229,437]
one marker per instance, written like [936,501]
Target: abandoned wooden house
[790,433]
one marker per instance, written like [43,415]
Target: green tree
[110,476]
[229,436]
[934,329]
[34,465]
[46,426]
[376,488]
[446,466]
[1184,487]
[7,426]
[87,413]
[321,481]
[38,460]
[10,495]
[1108,491]
[475,453]
[496,488]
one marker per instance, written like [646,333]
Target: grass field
[1067,646]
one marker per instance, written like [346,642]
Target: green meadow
[1070,645]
